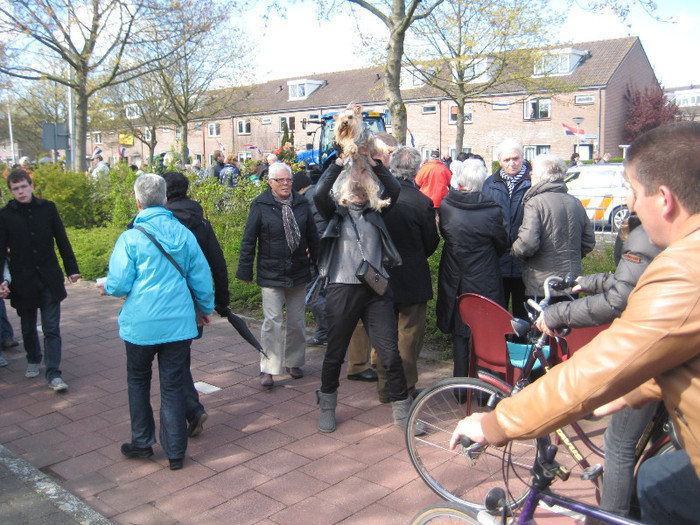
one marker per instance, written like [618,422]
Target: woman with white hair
[475,239]
[555,233]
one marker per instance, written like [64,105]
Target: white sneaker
[57,384]
[3,361]
[32,370]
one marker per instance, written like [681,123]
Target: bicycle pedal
[592,473]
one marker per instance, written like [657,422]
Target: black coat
[191,215]
[277,265]
[475,238]
[411,224]
[29,231]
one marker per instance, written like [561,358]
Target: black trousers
[345,305]
[514,289]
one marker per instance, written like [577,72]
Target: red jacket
[433,179]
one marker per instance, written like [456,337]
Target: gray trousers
[285,344]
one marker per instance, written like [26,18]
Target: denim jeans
[192,405]
[345,305]
[318,310]
[621,437]
[172,371]
[50,319]
[668,488]
[6,331]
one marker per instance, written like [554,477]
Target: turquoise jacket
[158,307]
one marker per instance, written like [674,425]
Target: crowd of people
[354,248]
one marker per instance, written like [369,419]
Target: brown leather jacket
[656,343]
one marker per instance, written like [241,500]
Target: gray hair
[278,166]
[470,175]
[548,168]
[150,190]
[405,162]
[508,145]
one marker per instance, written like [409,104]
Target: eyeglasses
[282,181]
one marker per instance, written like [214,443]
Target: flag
[122,152]
[413,142]
[96,151]
[572,131]
[221,146]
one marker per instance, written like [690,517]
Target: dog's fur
[358,144]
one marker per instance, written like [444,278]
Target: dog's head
[348,123]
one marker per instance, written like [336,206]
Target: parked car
[601,189]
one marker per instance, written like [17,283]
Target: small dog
[358,143]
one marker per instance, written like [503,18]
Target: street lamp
[577,121]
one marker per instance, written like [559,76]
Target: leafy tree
[647,110]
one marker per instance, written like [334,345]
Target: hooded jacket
[159,307]
[475,238]
[655,344]
[555,235]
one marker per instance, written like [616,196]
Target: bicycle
[442,405]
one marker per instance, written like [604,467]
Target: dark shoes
[295,372]
[316,342]
[175,464]
[132,451]
[369,375]
[266,380]
[196,426]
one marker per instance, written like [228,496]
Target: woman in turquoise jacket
[158,316]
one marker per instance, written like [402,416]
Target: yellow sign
[126,139]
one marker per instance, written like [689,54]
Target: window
[387,117]
[532,151]
[687,99]
[559,62]
[132,111]
[429,109]
[198,127]
[411,78]
[147,135]
[214,129]
[244,155]
[584,99]
[453,152]
[297,91]
[97,138]
[313,116]
[266,120]
[301,89]
[468,116]
[426,150]
[244,127]
[165,130]
[290,121]
[500,105]
[178,133]
[537,108]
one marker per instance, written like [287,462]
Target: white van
[601,189]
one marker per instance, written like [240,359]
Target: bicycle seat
[489,323]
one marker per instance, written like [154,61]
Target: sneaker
[3,361]
[9,343]
[132,451]
[175,464]
[32,370]
[266,380]
[197,424]
[295,372]
[314,341]
[57,384]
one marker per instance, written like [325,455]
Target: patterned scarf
[291,228]
[512,182]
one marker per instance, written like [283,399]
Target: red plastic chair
[489,323]
[577,338]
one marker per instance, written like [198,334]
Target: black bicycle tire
[444,509]
[437,411]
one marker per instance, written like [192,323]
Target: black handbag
[367,273]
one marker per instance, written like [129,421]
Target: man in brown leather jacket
[652,352]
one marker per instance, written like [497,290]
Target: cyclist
[609,292]
[652,352]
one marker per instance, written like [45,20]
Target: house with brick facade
[597,73]
[687,98]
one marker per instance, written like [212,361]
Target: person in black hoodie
[475,238]
[191,215]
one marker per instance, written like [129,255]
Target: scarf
[512,182]
[291,228]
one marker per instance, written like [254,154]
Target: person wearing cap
[99,166]
[433,179]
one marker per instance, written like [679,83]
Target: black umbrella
[243,330]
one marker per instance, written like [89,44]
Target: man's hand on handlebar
[542,326]
[470,427]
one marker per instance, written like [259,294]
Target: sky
[300,45]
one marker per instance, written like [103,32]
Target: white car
[601,189]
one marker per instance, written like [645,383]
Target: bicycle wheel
[444,513]
[465,475]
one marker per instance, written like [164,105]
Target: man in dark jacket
[191,215]
[411,223]
[507,187]
[217,164]
[282,226]
[28,227]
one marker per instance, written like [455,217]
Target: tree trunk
[81,120]
[392,86]
[459,139]
[184,159]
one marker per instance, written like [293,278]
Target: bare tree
[93,39]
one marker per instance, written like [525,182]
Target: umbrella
[243,330]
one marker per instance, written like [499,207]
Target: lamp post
[577,121]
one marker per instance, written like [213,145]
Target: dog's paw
[350,149]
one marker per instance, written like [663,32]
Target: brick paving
[259,460]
